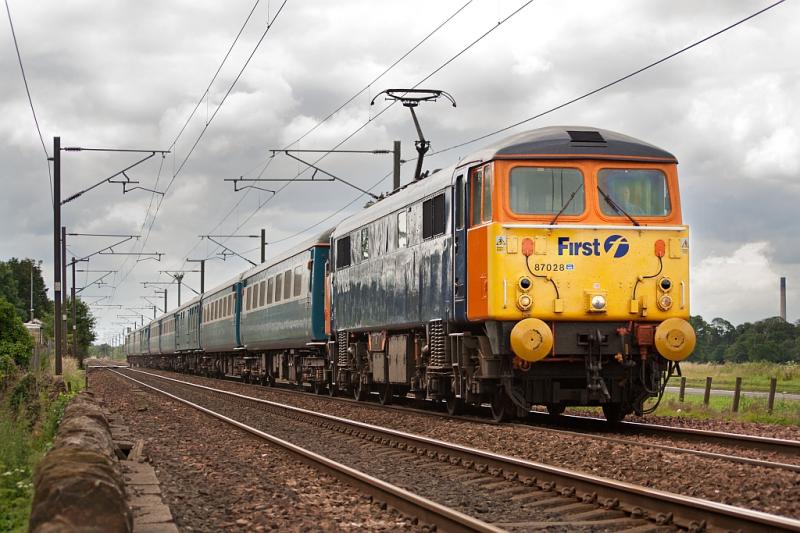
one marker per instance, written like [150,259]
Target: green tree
[16,344]
[19,280]
[85,330]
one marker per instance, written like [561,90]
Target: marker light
[665,303]
[524,302]
[665,284]
[598,302]
[524,283]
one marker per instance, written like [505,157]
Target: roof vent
[586,137]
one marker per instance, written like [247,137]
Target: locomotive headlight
[524,302]
[598,302]
[665,303]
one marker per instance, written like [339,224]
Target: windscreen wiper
[616,206]
[564,207]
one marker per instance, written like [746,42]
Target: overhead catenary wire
[211,119]
[611,83]
[30,99]
[206,125]
[197,106]
[560,106]
[335,111]
[494,27]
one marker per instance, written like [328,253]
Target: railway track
[755,442]
[566,499]
[597,429]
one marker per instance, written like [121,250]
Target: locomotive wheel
[385,396]
[502,408]
[317,387]
[360,391]
[455,406]
[613,412]
[331,390]
[555,409]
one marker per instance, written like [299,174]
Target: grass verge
[785,412]
[27,430]
[755,376]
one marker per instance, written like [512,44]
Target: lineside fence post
[773,385]
[737,393]
[707,395]
[682,394]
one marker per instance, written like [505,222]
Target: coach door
[460,248]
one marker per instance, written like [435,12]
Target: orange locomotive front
[578,270]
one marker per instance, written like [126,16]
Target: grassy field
[785,412]
[28,424]
[755,376]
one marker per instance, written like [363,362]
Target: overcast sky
[128,74]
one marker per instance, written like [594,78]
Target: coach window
[402,229]
[342,256]
[364,243]
[287,284]
[262,293]
[278,287]
[249,298]
[270,288]
[433,216]
[298,280]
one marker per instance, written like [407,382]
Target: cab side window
[481,195]
[476,181]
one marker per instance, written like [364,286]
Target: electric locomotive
[550,268]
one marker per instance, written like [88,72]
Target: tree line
[772,339]
[24,297]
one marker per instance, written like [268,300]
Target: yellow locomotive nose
[675,339]
[531,339]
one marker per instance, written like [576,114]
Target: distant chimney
[783,298]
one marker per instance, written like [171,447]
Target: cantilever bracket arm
[236,182]
[109,179]
[128,181]
[318,169]
[98,281]
[225,248]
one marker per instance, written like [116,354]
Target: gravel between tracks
[428,477]
[764,489]
[215,477]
